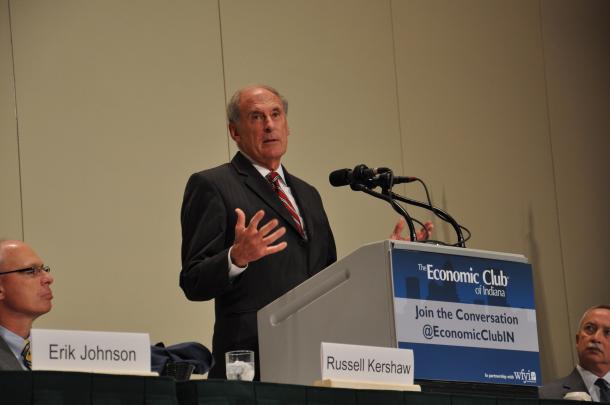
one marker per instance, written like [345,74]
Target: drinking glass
[240,365]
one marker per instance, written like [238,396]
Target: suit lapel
[574,382]
[8,361]
[261,187]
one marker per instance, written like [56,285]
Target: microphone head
[341,177]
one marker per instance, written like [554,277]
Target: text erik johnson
[96,353]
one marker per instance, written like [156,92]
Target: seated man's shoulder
[557,389]
[552,389]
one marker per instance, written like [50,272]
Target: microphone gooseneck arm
[397,207]
[365,179]
[439,213]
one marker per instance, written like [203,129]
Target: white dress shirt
[234,270]
[589,379]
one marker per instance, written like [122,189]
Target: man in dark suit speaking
[250,230]
[592,374]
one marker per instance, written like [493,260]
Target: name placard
[107,352]
[367,364]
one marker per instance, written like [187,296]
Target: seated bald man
[25,294]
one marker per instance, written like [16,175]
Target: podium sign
[466,318]
[467,314]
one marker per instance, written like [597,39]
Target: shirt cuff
[234,270]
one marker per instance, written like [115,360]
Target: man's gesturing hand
[422,234]
[251,242]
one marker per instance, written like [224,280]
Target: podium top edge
[453,250]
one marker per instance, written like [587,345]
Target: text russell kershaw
[370,365]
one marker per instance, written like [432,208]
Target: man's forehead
[253,108]
[260,99]
[598,316]
[18,254]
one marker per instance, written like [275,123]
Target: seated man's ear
[233,132]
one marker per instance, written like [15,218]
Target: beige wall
[10,195]
[473,103]
[577,51]
[338,75]
[499,105]
[118,103]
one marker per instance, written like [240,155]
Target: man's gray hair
[601,306]
[233,106]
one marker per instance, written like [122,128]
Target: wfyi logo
[528,376]
[525,377]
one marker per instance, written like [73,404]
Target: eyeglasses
[30,271]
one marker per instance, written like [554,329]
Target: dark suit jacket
[208,231]
[559,388]
[8,361]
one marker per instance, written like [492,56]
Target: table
[63,388]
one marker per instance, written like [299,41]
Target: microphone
[361,174]
[364,175]
[403,179]
[341,177]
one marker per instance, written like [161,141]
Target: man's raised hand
[251,242]
[422,234]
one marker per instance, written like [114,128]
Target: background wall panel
[10,193]
[577,51]
[334,62]
[475,125]
[117,101]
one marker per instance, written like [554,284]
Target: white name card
[367,364]
[106,352]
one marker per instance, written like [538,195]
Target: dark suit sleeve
[332,249]
[205,271]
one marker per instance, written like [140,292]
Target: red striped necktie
[274,179]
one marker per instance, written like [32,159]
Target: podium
[468,315]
